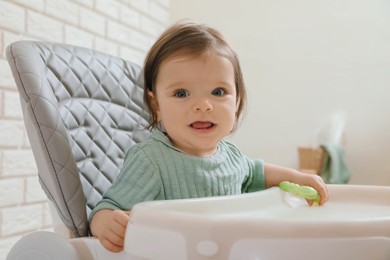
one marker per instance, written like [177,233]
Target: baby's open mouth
[202,125]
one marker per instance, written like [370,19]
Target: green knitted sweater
[155,170]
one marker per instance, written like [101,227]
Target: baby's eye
[219,92]
[181,93]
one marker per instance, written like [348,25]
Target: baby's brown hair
[188,39]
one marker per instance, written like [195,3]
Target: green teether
[305,192]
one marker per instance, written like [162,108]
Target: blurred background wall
[303,62]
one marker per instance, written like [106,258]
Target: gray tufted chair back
[82,109]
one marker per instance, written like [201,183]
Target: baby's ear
[155,107]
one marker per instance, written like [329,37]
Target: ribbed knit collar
[162,137]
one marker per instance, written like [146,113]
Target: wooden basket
[311,159]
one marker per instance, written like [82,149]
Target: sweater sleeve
[139,180]
[255,180]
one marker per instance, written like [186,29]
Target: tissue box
[311,159]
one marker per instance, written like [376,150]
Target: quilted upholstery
[82,109]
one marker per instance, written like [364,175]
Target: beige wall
[303,61]
[125,28]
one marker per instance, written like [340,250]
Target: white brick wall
[18,162]
[11,105]
[11,192]
[11,133]
[12,17]
[44,27]
[125,28]
[64,10]
[21,219]
[92,21]
[6,79]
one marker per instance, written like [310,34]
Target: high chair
[83,109]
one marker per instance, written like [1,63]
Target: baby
[195,93]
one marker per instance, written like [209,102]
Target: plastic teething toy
[305,192]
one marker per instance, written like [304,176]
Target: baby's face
[196,101]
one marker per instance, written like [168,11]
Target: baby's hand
[315,181]
[109,226]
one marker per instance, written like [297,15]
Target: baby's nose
[203,105]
